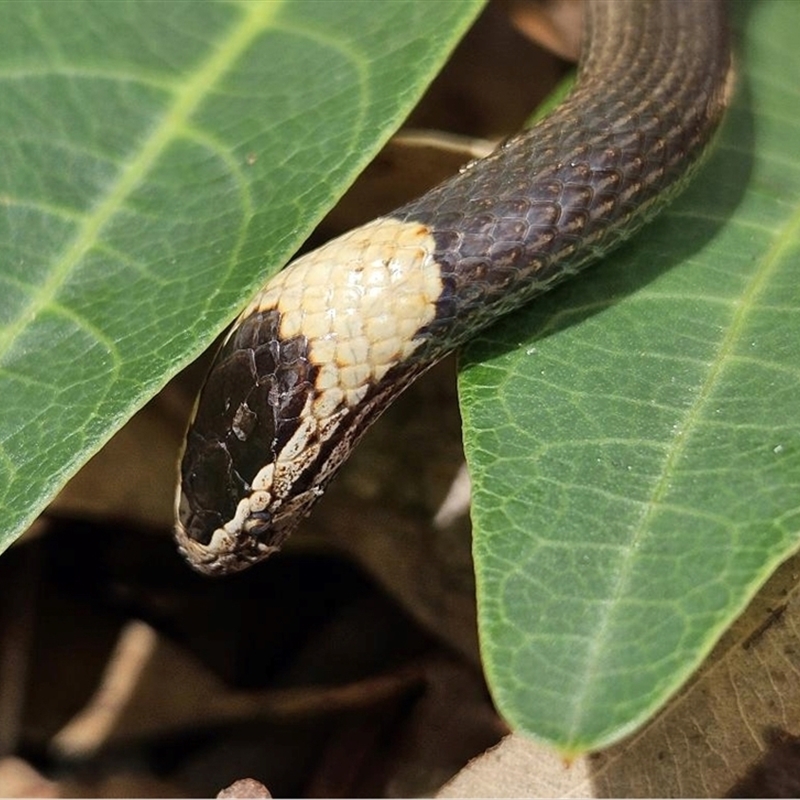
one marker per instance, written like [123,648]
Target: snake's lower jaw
[233,551]
[251,536]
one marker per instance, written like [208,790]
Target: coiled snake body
[331,340]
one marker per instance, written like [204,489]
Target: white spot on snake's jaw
[263,479]
[302,438]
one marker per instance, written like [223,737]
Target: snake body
[331,340]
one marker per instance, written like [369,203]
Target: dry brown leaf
[554,25]
[151,687]
[518,767]
[20,779]
[245,788]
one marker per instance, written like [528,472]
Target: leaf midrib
[768,264]
[188,96]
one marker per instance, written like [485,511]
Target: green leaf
[633,438]
[160,160]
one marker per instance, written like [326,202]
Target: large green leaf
[159,161]
[634,438]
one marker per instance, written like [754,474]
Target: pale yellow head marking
[359,300]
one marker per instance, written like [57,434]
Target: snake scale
[328,342]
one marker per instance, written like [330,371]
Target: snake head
[307,367]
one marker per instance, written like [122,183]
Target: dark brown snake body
[329,341]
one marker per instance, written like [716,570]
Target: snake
[331,340]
